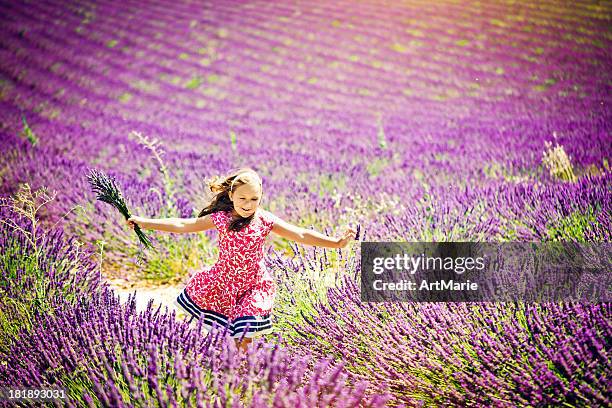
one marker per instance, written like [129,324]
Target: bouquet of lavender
[106,189]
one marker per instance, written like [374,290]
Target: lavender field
[416,120]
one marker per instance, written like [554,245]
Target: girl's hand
[348,235]
[132,221]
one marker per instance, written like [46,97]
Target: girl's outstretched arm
[177,225]
[310,237]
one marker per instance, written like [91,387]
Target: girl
[237,291]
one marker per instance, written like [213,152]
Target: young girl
[237,291]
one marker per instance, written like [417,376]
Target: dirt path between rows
[161,295]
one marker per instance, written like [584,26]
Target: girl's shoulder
[267,218]
[220,218]
[264,214]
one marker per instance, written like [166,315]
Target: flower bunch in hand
[107,191]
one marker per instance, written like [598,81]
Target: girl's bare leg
[244,344]
[194,325]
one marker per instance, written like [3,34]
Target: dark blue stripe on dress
[266,317]
[253,324]
[187,305]
[215,314]
[251,330]
[209,319]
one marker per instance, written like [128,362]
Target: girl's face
[246,199]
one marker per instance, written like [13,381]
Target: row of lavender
[59,314]
[462,354]
[425,210]
[61,74]
[57,81]
[78,337]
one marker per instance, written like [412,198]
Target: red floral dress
[237,291]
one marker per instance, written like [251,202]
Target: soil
[162,295]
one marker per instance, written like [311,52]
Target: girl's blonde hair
[222,186]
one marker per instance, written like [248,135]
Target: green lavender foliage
[382,142]
[28,133]
[233,139]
